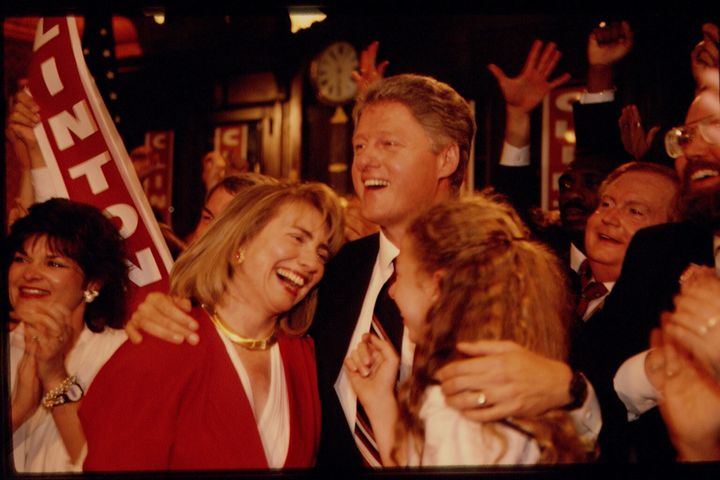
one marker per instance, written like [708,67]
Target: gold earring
[240,256]
[89,295]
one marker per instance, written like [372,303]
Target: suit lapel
[348,295]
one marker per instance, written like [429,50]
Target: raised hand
[372,369]
[527,90]
[689,403]
[49,332]
[705,60]
[695,322]
[634,138]
[24,116]
[369,70]
[609,43]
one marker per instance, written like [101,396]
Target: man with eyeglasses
[657,259]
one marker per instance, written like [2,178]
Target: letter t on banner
[85,154]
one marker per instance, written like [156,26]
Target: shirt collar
[387,254]
[576,257]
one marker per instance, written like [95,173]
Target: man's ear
[448,160]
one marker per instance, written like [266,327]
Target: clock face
[331,73]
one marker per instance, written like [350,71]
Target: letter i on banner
[85,155]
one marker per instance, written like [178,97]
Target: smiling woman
[67,280]
[246,396]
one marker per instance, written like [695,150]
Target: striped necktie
[387,324]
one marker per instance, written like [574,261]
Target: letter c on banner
[158,141]
[127,215]
[230,137]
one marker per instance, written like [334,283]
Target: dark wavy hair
[82,233]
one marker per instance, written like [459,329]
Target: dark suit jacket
[655,259]
[592,352]
[341,295]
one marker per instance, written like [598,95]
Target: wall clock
[330,73]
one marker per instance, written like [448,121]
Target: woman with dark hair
[67,280]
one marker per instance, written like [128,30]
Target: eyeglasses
[679,137]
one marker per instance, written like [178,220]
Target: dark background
[173,85]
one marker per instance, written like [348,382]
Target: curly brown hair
[497,284]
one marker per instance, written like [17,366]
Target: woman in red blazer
[246,396]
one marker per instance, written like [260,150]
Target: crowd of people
[415,327]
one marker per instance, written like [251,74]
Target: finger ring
[481,399]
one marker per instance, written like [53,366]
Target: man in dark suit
[657,257]
[634,196]
[651,269]
[411,141]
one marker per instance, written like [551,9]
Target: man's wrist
[577,391]
[600,77]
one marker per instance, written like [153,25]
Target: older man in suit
[658,257]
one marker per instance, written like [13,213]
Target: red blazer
[160,406]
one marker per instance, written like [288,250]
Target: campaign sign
[85,154]
[558,141]
[159,183]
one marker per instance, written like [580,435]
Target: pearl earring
[240,256]
[89,295]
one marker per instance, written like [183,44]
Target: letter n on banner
[85,155]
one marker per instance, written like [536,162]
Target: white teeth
[704,173]
[376,182]
[33,291]
[291,276]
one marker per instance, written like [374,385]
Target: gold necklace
[237,339]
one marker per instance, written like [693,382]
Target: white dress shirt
[382,270]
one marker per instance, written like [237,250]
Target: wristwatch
[578,391]
[73,393]
[68,391]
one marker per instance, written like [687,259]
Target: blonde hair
[203,271]
[496,284]
[445,115]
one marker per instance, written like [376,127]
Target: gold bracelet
[58,395]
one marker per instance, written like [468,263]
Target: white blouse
[273,423]
[37,444]
[452,439]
